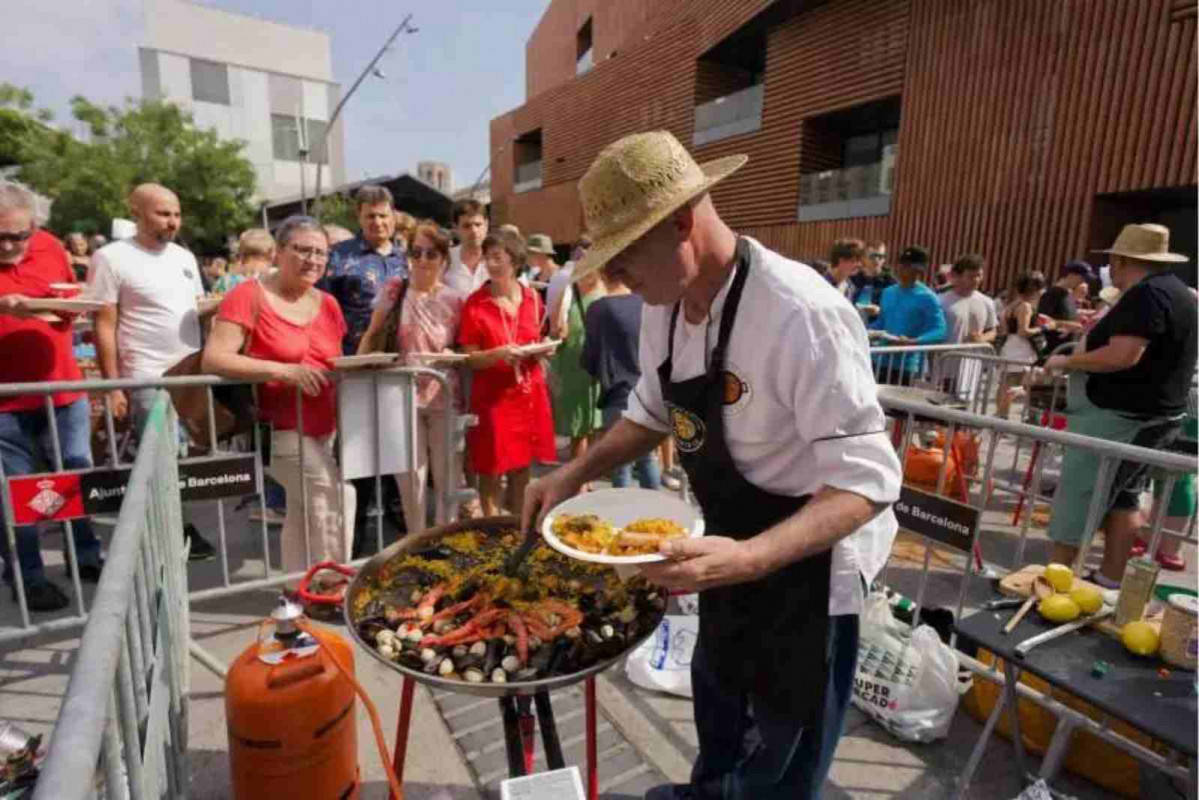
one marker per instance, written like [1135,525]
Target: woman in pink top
[420,316]
[284,331]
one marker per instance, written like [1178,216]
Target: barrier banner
[935,517]
[84,493]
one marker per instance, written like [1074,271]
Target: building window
[527,154]
[847,162]
[729,88]
[287,142]
[210,82]
[584,59]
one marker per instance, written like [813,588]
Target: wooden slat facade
[1025,124]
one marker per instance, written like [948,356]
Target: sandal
[1171,562]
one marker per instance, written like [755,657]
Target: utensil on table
[1003,602]
[1061,630]
[1041,588]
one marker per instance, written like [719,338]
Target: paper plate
[368,360]
[620,507]
[439,358]
[63,304]
[540,348]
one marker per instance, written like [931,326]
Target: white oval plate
[620,507]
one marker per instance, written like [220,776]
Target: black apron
[766,638]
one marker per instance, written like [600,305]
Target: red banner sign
[40,498]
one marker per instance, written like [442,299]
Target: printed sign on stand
[934,517]
[371,404]
[84,493]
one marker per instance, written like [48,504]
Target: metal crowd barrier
[909,415]
[889,361]
[126,702]
[381,383]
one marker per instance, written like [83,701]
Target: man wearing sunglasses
[867,286]
[37,349]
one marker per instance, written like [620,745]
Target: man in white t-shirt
[467,271]
[151,321]
[970,318]
[760,370]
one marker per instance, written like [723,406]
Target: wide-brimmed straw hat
[540,243]
[635,183]
[1144,242]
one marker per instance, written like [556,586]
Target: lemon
[1059,576]
[1059,608]
[1139,638]
[1088,599]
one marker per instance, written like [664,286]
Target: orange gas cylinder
[290,714]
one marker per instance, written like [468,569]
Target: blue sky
[443,85]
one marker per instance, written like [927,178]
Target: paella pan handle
[333,598]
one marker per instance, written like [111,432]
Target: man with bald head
[151,321]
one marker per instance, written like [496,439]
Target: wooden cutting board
[1019,584]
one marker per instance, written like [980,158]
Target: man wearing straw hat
[759,369]
[1128,382]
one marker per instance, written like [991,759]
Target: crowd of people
[292,302]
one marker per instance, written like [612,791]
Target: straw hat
[635,183]
[540,243]
[1144,242]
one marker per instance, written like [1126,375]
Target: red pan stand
[520,725]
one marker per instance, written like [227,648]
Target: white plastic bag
[663,661]
[906,681]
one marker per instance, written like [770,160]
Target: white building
[268,84]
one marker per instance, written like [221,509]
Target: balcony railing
[528,176]
[863,191]
[731,115]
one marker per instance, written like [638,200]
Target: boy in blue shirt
[909,314]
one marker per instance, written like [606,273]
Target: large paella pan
[437,608]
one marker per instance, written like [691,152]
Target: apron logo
[737,392]
[688,429]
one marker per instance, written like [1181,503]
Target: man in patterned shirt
[359,267]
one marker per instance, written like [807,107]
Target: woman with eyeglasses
[282,330]
[420,315]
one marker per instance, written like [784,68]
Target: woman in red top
[283,330]
[508,394]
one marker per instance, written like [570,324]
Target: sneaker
[201,550]
[671,482]
[272,516]
[1170,562]
[90,573]
[44,596]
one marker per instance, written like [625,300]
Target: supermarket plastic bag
[663,661]
[906,681]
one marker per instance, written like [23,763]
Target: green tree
[157,142]
[337,209]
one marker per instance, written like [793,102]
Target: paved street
[456,746]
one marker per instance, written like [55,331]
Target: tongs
[512,565]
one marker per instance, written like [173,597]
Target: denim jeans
[649,474]
[751,752]
[24,439]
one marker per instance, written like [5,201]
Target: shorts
[1080,468]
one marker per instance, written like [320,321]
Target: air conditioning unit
[886,175]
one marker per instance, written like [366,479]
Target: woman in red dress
[508,394]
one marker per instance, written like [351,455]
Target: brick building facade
[1025,130]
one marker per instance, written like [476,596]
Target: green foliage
[337,209]
[141,142]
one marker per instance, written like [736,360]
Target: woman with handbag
[420,315]
[284,331]
[1025,340]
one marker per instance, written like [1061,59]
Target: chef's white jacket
[806,414]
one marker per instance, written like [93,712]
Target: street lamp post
[323,153]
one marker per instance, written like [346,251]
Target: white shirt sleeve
[194,267]
[646,405]
[103,284]
[835,402]
[992,316]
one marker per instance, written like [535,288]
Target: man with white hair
[37,349]
[760,371]
[151,321]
